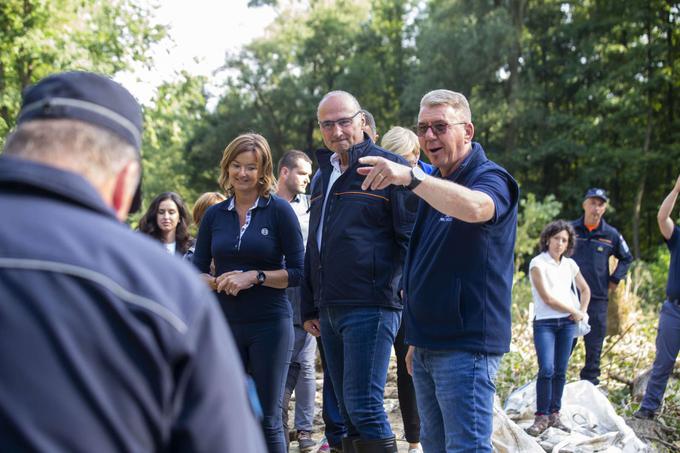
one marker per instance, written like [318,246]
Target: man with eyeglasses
[357,244]
[457,275]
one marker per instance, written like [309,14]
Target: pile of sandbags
[595,426]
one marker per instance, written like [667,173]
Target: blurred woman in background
[167,220]
[404,142]
[202,204]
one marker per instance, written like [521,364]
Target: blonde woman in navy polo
[255,239]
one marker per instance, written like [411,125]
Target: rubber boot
[348,444]
[388,445]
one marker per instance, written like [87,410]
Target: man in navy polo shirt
[668,335]
[457,276]
[107,344]
[596,241]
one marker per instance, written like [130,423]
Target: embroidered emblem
[600,249]
[264,231]
[446,218]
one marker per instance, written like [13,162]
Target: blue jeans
[334,425]
[357,342]
[265,349]
[454,391]
[667,347]
[553,340]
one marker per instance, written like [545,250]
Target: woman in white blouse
[557,309]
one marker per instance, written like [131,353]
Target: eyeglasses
[342,122]
[438,128]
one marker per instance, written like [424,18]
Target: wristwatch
[417,176]
[261,277]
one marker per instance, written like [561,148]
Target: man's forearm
[455,200]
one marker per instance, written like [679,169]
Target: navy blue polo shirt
[272,241]
[673,286]
[458,275]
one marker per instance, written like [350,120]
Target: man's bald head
[341,121]
[341,95]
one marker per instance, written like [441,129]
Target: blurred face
[558,243]
[341,124]
[447,139]
[298,177]
[244,172]
[593,210]
[413,158]
[167,216]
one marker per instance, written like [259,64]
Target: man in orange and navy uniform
[596,242]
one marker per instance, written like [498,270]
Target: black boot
[388,445]
[348,444]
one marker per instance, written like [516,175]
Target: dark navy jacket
[458,275]
[364,241]
[592,252]
[273,240]
[673,285]
[107,343]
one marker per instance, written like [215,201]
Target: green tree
[39,37]
[170,121]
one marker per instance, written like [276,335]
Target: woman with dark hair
[557,309]
[255,240]
[167,220]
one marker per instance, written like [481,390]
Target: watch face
[418,173]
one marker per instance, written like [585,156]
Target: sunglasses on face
[438,127]
[329,125]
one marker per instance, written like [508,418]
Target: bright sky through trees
[201,31]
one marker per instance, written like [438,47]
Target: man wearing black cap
[106,344]
[596,242]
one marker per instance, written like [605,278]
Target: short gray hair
[94,152]
[350,97]
[455,100]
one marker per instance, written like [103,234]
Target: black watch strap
[417,176]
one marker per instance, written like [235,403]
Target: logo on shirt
[264,231]
[446,218]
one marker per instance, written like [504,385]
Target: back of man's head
[456,101]
[80,122]
[370,122]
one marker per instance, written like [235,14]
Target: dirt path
[391,407]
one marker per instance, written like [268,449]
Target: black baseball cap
[595,192]
[89,97]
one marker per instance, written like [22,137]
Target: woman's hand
[210,281]
[576,316]
[234,282]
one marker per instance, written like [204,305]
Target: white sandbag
[508,437]
[594,424]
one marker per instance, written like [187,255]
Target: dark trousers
[265,349]
[667,347]
[406,391]
[330,409]
[597,313]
